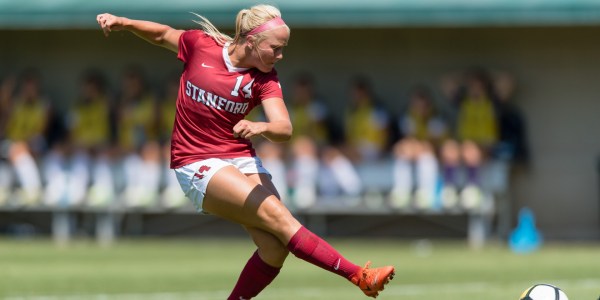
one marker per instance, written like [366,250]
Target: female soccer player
[215,163]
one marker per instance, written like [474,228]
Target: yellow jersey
[90,123]
[26,120]
[477,121]
[138,123]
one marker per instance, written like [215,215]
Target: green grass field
[208,268]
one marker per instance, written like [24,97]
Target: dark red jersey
[213,97]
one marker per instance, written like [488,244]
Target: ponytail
[212,31]
[245,21]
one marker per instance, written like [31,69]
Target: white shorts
[194,178]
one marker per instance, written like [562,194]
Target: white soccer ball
[543,291]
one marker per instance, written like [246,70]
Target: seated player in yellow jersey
[25,125]
[415,171]
[137,136]
[476,134]
[366,124]
[81,171]
[317,165]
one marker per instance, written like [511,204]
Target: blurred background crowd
[430,108]
[452,146]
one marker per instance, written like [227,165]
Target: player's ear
[250,40]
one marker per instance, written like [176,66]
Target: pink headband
[275,22]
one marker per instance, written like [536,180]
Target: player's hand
[109,23]
[246,129]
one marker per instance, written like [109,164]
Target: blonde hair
[246,20]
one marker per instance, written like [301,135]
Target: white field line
[396,290]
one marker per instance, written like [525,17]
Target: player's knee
[18,149]
[276,218]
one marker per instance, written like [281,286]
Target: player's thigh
[233,196]
[264,180]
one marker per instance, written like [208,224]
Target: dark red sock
[311,248]
[255,276]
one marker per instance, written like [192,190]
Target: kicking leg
[253,205]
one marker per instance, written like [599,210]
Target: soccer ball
[543,291]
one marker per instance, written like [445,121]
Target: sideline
[395,290]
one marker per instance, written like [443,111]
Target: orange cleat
[372,281]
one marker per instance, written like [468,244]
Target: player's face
[270,49]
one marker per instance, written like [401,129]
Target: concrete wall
[557,71]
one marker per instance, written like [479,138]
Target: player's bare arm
[278,127]
[155,33]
